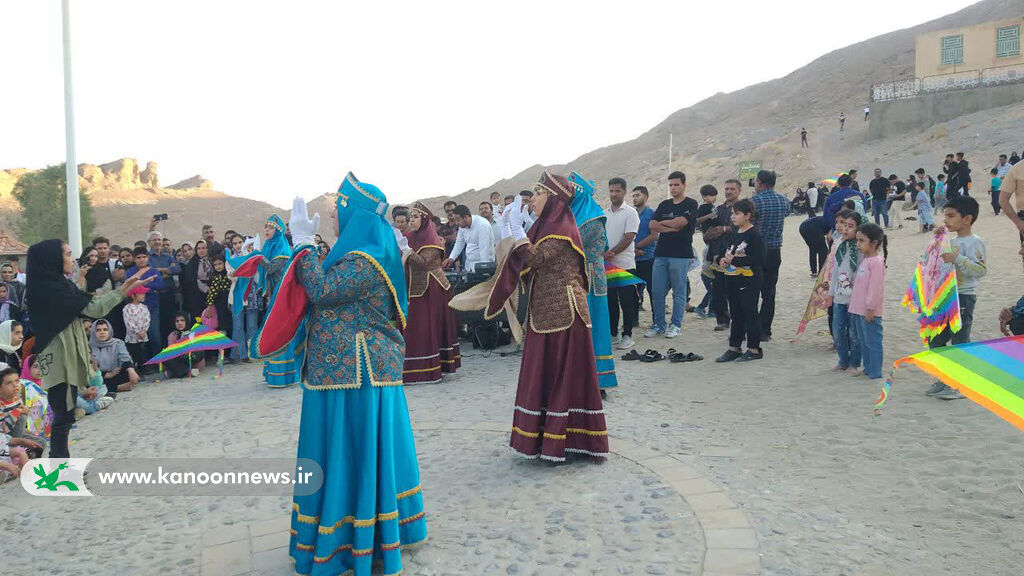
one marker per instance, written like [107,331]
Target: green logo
[48,481]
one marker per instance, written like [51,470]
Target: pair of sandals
[655,356]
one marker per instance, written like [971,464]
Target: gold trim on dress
[391,287]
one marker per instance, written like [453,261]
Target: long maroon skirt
[431,338]
[558,402]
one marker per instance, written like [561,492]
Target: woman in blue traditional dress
[354,422]
[284,368]
[590,219]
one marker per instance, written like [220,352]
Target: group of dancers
[375,315]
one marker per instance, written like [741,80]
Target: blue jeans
[870,336]
[669,272]
[879,207]
[243,328]
[844,336]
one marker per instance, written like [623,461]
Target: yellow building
[976,48]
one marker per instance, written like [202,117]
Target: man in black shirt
[716,238]
[853,176]
[879,188]
[674,221]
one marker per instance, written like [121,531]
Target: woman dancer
[590,220]
[354,420]
[285,368]
[558,402]
[432,343]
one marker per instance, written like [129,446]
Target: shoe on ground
[814,275]
[750,355]
[616,340]
[195,372]
[949,394]
[79,413]
[721,328]
[673,331]
[935,388]
[604,395]
[625,343]
[729,356]
[652,332]
[104,402]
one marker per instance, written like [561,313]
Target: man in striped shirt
[772,209]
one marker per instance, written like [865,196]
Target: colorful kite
[990,373]
[199,339]
[617,277]
[820,299]
[933,290]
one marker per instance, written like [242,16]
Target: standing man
[1002,167]
[674,221]
[621,224]
[213,248]
[842,121]
[812,200]
[646,241]
[963,173]
[167,266]
[716,239]
[853,180]
[772,209]
[1013,186]
[867,110]
[400,219]
[450,228]
[114,271]
[803,138]
[487,213]
[474,236]
[879,188]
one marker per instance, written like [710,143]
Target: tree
[43,199]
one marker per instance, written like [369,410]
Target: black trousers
[771,279]
[645,270]
[628,298]
[720,298]
[995,201]
[817,247]
[63,418]
[113,383]
[743,295]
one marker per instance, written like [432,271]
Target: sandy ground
[929,487]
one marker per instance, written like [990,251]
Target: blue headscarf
[363,230]
[277,246]
[584,207]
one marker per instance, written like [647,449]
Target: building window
[952,50]
[1007,41]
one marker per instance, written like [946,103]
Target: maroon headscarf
[427,234]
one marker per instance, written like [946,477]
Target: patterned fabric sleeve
[352,278]
[595,243]
[426,260]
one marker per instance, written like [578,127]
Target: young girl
[844,270]
[115,363]
[10,342]
[179,367]
[868,296]
[136,325]
[93,398]
[39,415]
[744,266]
[217,298]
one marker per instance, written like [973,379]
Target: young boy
[967,255]
[14,416]
[706,215]
[940,193]
[136,323]
[152,297]
[996,183]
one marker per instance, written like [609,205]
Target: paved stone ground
[640,512]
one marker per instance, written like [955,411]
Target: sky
[270,100]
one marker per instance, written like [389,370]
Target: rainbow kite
[933,291]
[990,373]
[199,339]
[617,277]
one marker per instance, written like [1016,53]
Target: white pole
[669,156]
[74,212]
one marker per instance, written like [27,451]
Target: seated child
[10,342]
[40,418]
[13,456]
[189,364]
[94,397]
[1011,320]
[111,354]
[13,415]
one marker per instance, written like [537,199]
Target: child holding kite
[844,270]
[967,256]
[868,297]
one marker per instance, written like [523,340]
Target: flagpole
[74,210]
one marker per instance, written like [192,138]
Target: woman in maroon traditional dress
[558,402]
[431,339]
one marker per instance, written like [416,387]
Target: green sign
[749,169]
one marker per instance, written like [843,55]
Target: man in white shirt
[812,200]
[487,213]
[621,223]
[1003,167]
[474,236]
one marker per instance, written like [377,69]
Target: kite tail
[884,394]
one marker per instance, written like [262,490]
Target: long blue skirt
[601,333]
[370,505]
[285,369]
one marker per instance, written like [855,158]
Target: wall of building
[900,116]
[979,49]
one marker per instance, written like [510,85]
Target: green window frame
[1007,41]
[952,50]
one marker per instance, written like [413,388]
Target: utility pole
[74,210]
